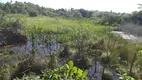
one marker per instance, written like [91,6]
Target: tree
[32,13]
[77,14]
[7,8]
[1,5]
[140,6]
[85,13]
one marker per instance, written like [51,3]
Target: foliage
[66,72]
[32,13]
[103,18]
[31,77]
[84,37]
[10,31]
[126,77]
[5,72]
[108,18]
[136,17]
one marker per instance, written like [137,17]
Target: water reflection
[41,49]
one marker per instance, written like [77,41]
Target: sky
[121,6]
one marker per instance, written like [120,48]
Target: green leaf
[66,66]
[74,69]
[140,52]
[70,63]
[126,77]
[71,74]
[85,73]
[79,72]
[55,76]
[66,72]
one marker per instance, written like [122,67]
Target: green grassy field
[83,36]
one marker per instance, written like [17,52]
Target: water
[41,49]
[127,36]
[2,63]
[98,74]
[99,71]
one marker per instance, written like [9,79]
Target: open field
[81,40]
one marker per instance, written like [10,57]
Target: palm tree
[140,6]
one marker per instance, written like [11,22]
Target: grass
[82,31]
[51,22]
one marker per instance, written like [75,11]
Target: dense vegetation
[45,44]
[104,18]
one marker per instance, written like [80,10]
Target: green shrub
[5,72]
[31,77]
[32,13]
[126,77]
[66,72]
[26,67]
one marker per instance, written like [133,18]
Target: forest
[39,43]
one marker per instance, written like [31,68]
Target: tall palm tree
[140,6]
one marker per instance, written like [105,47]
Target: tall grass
[86,41]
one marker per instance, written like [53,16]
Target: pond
[25,48]
[126,36]
[41,49]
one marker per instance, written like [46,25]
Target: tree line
[103,17]
[35,10]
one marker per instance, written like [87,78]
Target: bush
[31,77]
[32,13]
[66,72]
[26,67]
[5,72]
[10,32]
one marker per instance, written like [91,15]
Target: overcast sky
[126,6]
